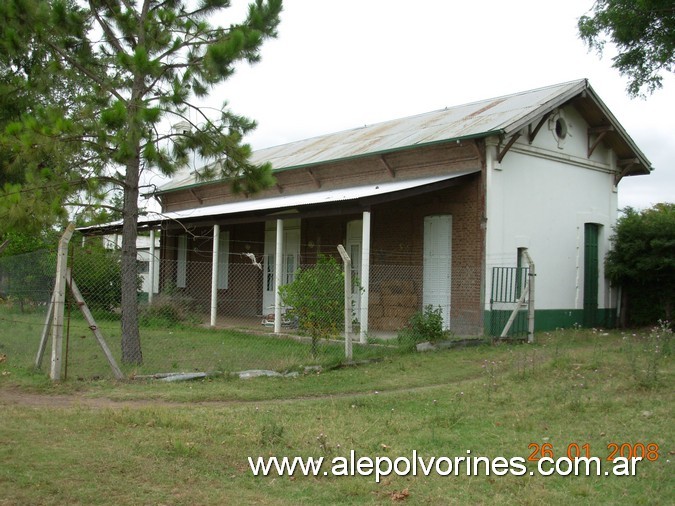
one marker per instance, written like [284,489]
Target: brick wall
[408,164]
[397,233]
[397,240]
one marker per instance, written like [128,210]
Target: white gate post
[530,299]
[278,265]
[365,277]
[214,274]
[151,269]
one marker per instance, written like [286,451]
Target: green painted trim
[551,319]
[547,319]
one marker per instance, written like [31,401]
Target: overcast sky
[343,64]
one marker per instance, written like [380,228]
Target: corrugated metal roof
[284,201]
[465,121]
[502,115]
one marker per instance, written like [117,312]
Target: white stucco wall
[540,197]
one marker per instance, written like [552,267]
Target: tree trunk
[625,301]
[668,308]
[131,340]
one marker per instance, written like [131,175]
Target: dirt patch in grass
[14,396]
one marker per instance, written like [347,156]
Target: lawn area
[147,442]
[169,348]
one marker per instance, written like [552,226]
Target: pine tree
[37,174]
[145,63]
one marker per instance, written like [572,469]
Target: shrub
[316,299]
[642,261]
[423,326]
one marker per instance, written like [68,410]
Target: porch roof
[275,205]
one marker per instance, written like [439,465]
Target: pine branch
[110,35]
[92,206]
[97,79]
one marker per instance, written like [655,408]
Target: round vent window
[560,128]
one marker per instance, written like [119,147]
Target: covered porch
[412,243]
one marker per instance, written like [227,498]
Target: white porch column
[278,263]
[365,277]
[214,274]
[151,269]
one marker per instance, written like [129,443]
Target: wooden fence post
[528,293]
[45,333]
[93,326]
[60,302]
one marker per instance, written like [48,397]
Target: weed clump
[647,353]
[423,326]
[167,311]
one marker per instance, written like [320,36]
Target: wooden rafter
[480,151]
[600,131]
[506,148]
[314,178]
[625,165]
[532,133]
[194,194]
[388,167]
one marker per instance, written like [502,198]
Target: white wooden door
[438,264]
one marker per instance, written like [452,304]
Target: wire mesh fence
[179,300]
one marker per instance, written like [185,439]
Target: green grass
[145,442]
[170,349]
